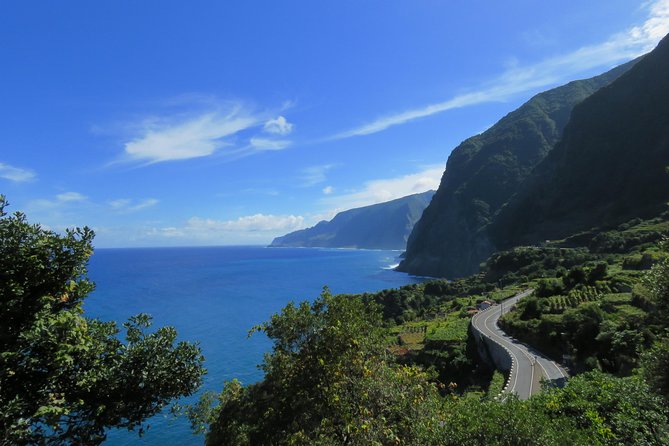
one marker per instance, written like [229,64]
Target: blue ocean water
[215,295]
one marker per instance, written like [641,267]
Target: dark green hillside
[483,173]
[380,226]
[610,166]
[396,367]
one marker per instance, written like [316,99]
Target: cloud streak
[58,202]
[618,48]
[128,205]
[259,226]
[264,144]
[231,129]
[192,138]
[315,174]
[70,196]
[16,174]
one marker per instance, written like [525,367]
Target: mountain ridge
[483,173]
[379,226]
[609,167]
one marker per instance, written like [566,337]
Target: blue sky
[163,123]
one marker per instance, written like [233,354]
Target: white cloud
[191,138]
[70,196]
[258,227]
[278,126]
[250,223]
[315,174]
[518,79]
[120,203]
[58,202]
[16,174]
[261,144]
[127,205]
[380,190]
[327,190]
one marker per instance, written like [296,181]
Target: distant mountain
[611,165]
[483,173]
[380,226]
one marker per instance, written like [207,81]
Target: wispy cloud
[278,126]
[313,175]
[327,190]
[59,201]
[262,144]
[380,190]
[70,196]
[618,48]
[191,138]
[261,226]
[77,201]
[128,205]
[16,174]
[249,223]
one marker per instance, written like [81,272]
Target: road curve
[528,365]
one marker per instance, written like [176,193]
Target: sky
[174,123]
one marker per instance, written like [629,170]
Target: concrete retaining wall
[494,354]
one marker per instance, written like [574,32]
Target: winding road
[529,366]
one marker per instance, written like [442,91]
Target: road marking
[508,345]
[494,335]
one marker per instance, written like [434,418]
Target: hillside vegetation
[483,173]
[397,367]
[584,225]
[610,166]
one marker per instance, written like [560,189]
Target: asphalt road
[530,366]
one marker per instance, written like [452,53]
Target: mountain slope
[610,166]
[482,174]
[380,226]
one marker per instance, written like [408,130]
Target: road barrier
[494,353]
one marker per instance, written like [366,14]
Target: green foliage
[327,381]
[595,314]
[65,378]
[427,300]
[454,329]
[622,130]
[496,384]
[483,173]
[593,409]
[656,283]
[655,363]
[655,367]
[471,422]
[533,262]
[616,410]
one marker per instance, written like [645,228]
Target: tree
[616,410]
[327,381]
[655,362]
[66,378]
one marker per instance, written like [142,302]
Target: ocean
[214,295]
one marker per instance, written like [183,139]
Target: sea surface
[214,295]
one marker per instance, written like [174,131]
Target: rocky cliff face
[483,173]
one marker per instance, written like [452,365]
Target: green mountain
[380,226]
[611,165]
[483,173]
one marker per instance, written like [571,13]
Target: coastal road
[529,366]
